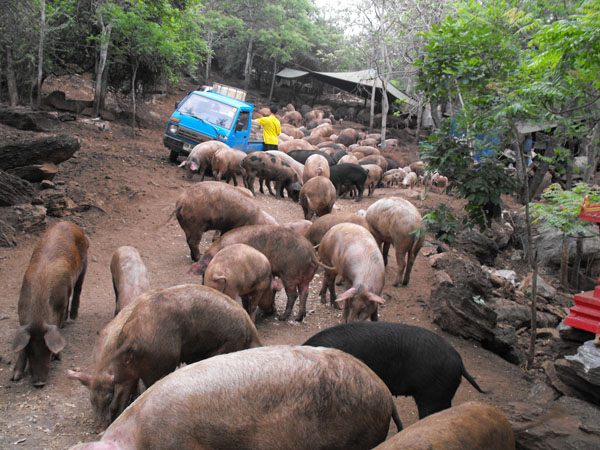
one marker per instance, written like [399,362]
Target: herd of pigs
[184,366]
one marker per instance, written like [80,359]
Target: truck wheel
[173,156]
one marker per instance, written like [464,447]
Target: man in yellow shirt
[271,129]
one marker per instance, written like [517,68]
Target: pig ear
[346,295]
[85,378]
[182,164]
[53,339]
[375,298]
[21,339]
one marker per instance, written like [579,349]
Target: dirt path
[137,187]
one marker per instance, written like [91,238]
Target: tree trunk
[419,119]
[41,53]
[372,114]
[437,122]
[248,63]
[577,263]
[11,80]
[564,264]
[531,254]
[100,91]
[592,153]
[273,80]
[133,99]
[541,168]
[384,110]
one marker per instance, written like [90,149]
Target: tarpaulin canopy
[359,83]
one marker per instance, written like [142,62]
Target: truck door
[241,131]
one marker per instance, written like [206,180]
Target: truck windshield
[209,110]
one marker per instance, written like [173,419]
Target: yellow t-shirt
[271,129]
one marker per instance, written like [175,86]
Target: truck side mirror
[176,105]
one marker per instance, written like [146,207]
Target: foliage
[560,211]
[481,183]
[442,223]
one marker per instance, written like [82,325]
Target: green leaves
[560,209]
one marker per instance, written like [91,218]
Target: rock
[509,275]
[512,313]
[55,201]
[464,273]
[570,333]
[563,424]
[456,311]
[546,333]
[543,288]
[484,248]
[542,393]
[26,218]
[46,184]
[505,344]
[549,247]
[568,373]
[587,363]
[442,278]
[58,100]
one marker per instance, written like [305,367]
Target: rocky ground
[122,189]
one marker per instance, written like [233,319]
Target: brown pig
[375,159]
[56,270]
[470,426]
[292,259]
[374,176]
[227,163]
[214,206]
[200,158]
[299,226]
[242,271]
[366,150]
[322,225]
[295,144]
[396,221]
[350,159]
[354,254]
[129,276]
[272,168]
[315,166]
[280,396]
[180,324]
[317,196]
[101,380]
[298,167]
[347,136]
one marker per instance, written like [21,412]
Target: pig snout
[198,268]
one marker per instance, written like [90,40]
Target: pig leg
[386,249]
[291,293]
[279,189]
[193,240]
[250,181]
[401,251]
[328,280]
[302,305]
[361,190]
[410,260]
[20,366]
[250,306]
[77,293]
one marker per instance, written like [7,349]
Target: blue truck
[213,113]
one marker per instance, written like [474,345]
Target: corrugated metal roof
[354,82]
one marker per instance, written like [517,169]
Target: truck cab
[217,113]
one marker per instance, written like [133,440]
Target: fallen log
[50,149]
